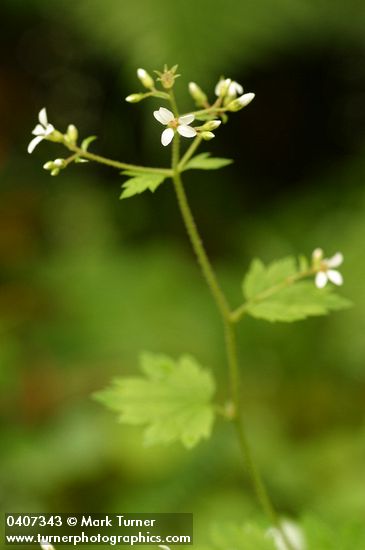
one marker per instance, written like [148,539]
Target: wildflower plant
[173,399]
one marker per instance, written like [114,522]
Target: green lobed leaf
[139,183]
[273,297]
[204,161]
[260,278]
[172,399]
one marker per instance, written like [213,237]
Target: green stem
[194,236]
[116,164]
[230,340]
[260,490]
[189,153]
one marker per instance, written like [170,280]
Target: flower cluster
[226,91]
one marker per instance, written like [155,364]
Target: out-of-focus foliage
[87,281]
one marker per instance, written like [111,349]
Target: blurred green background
[88,281]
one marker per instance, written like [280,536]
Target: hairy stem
[195,239]
[230,341]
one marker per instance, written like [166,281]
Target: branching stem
[229,317]
[116,163]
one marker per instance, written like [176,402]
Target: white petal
[42,117]
[49,130]
[336,260]
[245,99]
[335,277]
[234,89]
[218,87]
[167,136]
[317,254]
[33,144]
[186,119]
[163,115]
[239,88]
[141,73]
[38,130]
[321,279]
[186,131]
[222,85]
[293,534]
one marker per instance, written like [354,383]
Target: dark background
[87,281]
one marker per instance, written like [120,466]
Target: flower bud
[240,102]
[55,172]
[146,80]
[222,87]
[197,94]
[317,254]
[59,163]
[48,165]
[134,98]
[207,136]
[317,257]
[72,133]
[211,125]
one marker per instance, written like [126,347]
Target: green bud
[48,165]
[145,79]
[59,163]
[72,134]
[207,136]
[222,87]
[134,98]
[211,125]
[197,94]
[55,172]
[240,102]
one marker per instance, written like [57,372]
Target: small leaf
[172,399]
[260,278]
[273,294]
[205,162]
[139,183]
[87,141]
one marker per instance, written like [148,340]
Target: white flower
[41,131]
[326,272]
[226,86]
[293,534]
[181,125]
